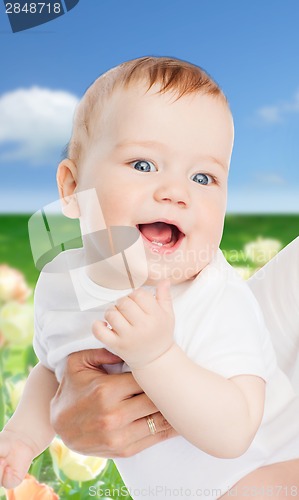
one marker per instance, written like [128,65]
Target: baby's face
[162,165]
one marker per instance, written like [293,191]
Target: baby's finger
[18,463]
[118,322]
[145,299]
[130,310]
[163,295]
[107,336]
[2,466]
[11,478]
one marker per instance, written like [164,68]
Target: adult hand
[104,415]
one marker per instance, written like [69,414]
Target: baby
[152,139]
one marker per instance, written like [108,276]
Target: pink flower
[12,285]
[31,489]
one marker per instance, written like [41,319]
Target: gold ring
[151,425]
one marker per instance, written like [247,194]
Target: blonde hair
[173,75]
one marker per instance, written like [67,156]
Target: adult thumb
[91,358]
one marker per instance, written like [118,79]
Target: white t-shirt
[219,326]
[276,288]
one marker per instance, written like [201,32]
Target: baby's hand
[142,326]
[16,455]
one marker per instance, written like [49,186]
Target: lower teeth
[158,243]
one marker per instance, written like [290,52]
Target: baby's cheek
[112,207]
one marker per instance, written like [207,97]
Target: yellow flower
[16,323]
[12,285]
[73,465]
[262,250]
[15,390]
[244,272]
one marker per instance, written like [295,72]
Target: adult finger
[130,439]
[146,442]
[125,386]
[90,358]
[140,428]
[136,408]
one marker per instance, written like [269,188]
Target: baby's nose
[174,192]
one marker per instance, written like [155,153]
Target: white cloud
[277,112]
[270,114]
[35,124]
[270,178]
[293,105]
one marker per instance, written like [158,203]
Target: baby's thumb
[163,295]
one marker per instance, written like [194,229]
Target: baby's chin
[175,276]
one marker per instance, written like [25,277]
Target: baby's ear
[67,182]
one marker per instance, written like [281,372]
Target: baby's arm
[29,430]
[218,415]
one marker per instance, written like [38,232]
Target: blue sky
[250,48]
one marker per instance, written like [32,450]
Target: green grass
[15,251]
[239,230]
[15,247]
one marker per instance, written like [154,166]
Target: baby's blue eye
[202,179]
[144,166]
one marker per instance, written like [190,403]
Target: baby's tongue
[157,231]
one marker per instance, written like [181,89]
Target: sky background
[250,48]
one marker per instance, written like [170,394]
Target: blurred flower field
[59,473]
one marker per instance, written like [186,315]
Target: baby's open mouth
[161,234]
